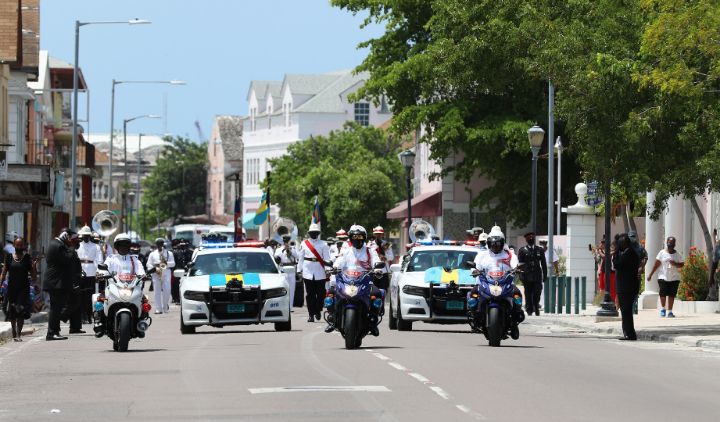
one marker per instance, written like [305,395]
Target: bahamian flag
[315,215]
[263,210]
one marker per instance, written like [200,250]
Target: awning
[249,221]
[425,205]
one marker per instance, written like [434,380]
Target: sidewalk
[692,330]
[29,328]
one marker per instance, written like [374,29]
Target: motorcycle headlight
[496,290]
[351,290]
[125,293]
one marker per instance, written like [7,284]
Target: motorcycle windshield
[353,274]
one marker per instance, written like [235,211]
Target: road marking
[463,408]
[381,356]
[440,392]
[419,377]
[397,366]
[322,388]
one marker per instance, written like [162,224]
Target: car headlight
[351,290]
[125,294]
[271,293]
[413,290]
[192,295]
[496,290]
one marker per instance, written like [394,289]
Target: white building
[281,113]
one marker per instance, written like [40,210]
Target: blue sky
[217,46]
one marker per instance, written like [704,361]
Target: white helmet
[122,237]
[11,236]
[85,231]
[483,237]
[378,230]
[496,231]
[314,227]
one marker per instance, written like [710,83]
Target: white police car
[431,285]
[230,285]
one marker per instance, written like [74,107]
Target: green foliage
[355,172]
[694,277]
[177,184]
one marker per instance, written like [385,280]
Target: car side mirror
[277,260]
[179,273]
[470,264]
[395,268]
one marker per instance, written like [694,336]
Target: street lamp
[137,182]
[407,159]
[559,149]
[125,166]
[73,153]
[112,116]
[536,135]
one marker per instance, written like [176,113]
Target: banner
[315,216]
[263,210]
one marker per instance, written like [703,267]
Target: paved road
[436,373]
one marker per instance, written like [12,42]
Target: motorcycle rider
[495,262]
[122,263]
[534,272]
[161,278]
[359,256]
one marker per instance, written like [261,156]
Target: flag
[238,221]
[263,210]
[315,216]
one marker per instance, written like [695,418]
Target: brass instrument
[284,226]
[105,223]
[421,230]
[162,266]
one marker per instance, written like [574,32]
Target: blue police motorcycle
[354,305]
[495,306]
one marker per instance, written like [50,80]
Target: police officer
[182,258]
[163,261]
[90,256]
[534,272]
[384,251]
[57,281]
[313,259]
[286,255]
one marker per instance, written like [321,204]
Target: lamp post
[130,200]
[559,149]
[536,135]
[73,153]
[137,181]
[112,117]
[125,166]
[407,158]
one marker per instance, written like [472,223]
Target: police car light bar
[249,244]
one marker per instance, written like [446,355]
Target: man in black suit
[58,280]
[626,261]
[534,272]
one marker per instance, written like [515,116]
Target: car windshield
[454,259]
[233,263]
[185,235]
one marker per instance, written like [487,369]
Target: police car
[431,285]
[233,284]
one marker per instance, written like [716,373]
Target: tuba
[105,223]
[421,230]
[284,226]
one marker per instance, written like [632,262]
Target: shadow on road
[444,331]
[137,351]
[515,346]
[197,333]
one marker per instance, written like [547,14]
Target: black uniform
[628,287]
[183,256]
[58,282]
[533,275]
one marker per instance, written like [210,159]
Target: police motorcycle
[350,305]
[494,305]
[122,311]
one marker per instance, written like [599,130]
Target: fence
[559,294]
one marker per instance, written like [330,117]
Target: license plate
[236,308]
[455,305]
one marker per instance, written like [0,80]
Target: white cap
[314,227]
[85,231]
[378,229]
[496,232]
[483,237]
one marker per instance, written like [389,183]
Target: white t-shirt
[547,257]
[668,272]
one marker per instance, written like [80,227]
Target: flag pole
[267,198]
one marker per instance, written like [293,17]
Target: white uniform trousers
[162,291]
[291,279]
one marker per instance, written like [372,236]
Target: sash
[315,252]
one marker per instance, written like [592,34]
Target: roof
[310,84]
[63,72]
[428,204]
[230,130]
[260,87]
[329,100]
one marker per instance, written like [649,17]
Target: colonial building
[225,155]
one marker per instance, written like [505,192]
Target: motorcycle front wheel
[351,328]
[495,327]
[124,331]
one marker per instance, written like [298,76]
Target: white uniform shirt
[669,272]
[363,259]
[496,264]
[9,249]
[287,257]
[389,256]
[88,251]
[125,266]
[311,269]
[154,258]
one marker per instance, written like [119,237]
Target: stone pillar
[653,243]
[580,234]
[675,223]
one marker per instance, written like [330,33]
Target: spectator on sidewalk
[19,270]
[601,271]
[555,259]
[626,262]
[58,281]
[669,261]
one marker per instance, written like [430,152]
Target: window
[253,113]
[252,171]
[362,113]
[286,113]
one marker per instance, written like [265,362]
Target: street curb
[39,317]
[652,336]
[5,331]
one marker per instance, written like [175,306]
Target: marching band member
[90,256]
[288,256]
[314,256]
[384,251]
[164,262]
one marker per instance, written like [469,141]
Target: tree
[458,69]
[355,173]
[177,184]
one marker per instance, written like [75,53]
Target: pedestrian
[163,261]
[384,251]
[19,270]
[669,261]
[286,255]
[601,271]
[314,257]
[554,261]
[9,249]
[534,272]
[57,281]
[626,261]
[90,257]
